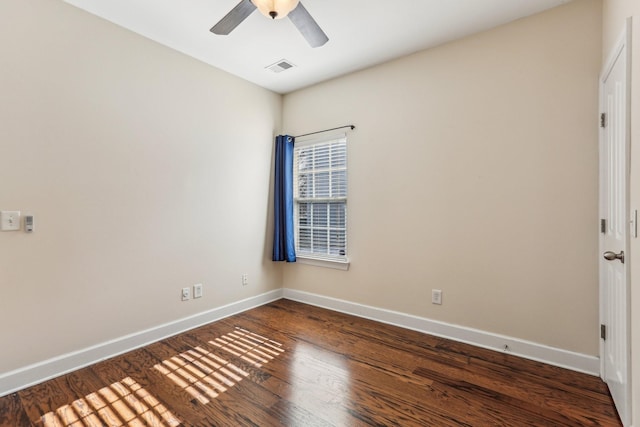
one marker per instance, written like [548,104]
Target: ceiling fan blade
[233,18]
[307,26]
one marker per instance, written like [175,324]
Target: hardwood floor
[291,364]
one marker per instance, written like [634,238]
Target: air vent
[280,66]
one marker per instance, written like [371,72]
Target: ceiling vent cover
[280,66]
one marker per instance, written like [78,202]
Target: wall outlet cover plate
[197,290]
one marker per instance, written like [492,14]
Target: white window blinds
[320,197]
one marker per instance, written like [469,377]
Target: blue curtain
[283,231]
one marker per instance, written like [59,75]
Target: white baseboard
[39,372]
[517,347]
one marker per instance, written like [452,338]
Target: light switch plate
[10,220]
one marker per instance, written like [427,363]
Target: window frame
[321,259]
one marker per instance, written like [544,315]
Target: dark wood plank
[540,370]
[291,364]
[12,412]
[290,414]
[46,398]
[521,394]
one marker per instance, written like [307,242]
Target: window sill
[323,262]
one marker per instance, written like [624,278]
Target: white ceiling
[361,32]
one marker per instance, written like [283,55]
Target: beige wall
[473,169]
[615,13]
[143,175]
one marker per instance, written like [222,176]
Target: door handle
[611,256]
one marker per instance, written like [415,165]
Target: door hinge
[603,332]
[603,120]
[603,225]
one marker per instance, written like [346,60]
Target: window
[320,198]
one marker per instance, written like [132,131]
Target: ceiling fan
[274,9]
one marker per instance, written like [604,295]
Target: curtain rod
[326,130]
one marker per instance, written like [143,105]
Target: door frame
[621,47]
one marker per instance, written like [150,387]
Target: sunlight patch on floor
[123,403]
[250,347]
[204,375]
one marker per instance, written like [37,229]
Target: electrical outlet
[245,279]
[197,290]
[436,296]
[186,294]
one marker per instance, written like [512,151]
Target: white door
[614,283]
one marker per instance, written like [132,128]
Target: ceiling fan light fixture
[275,9]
